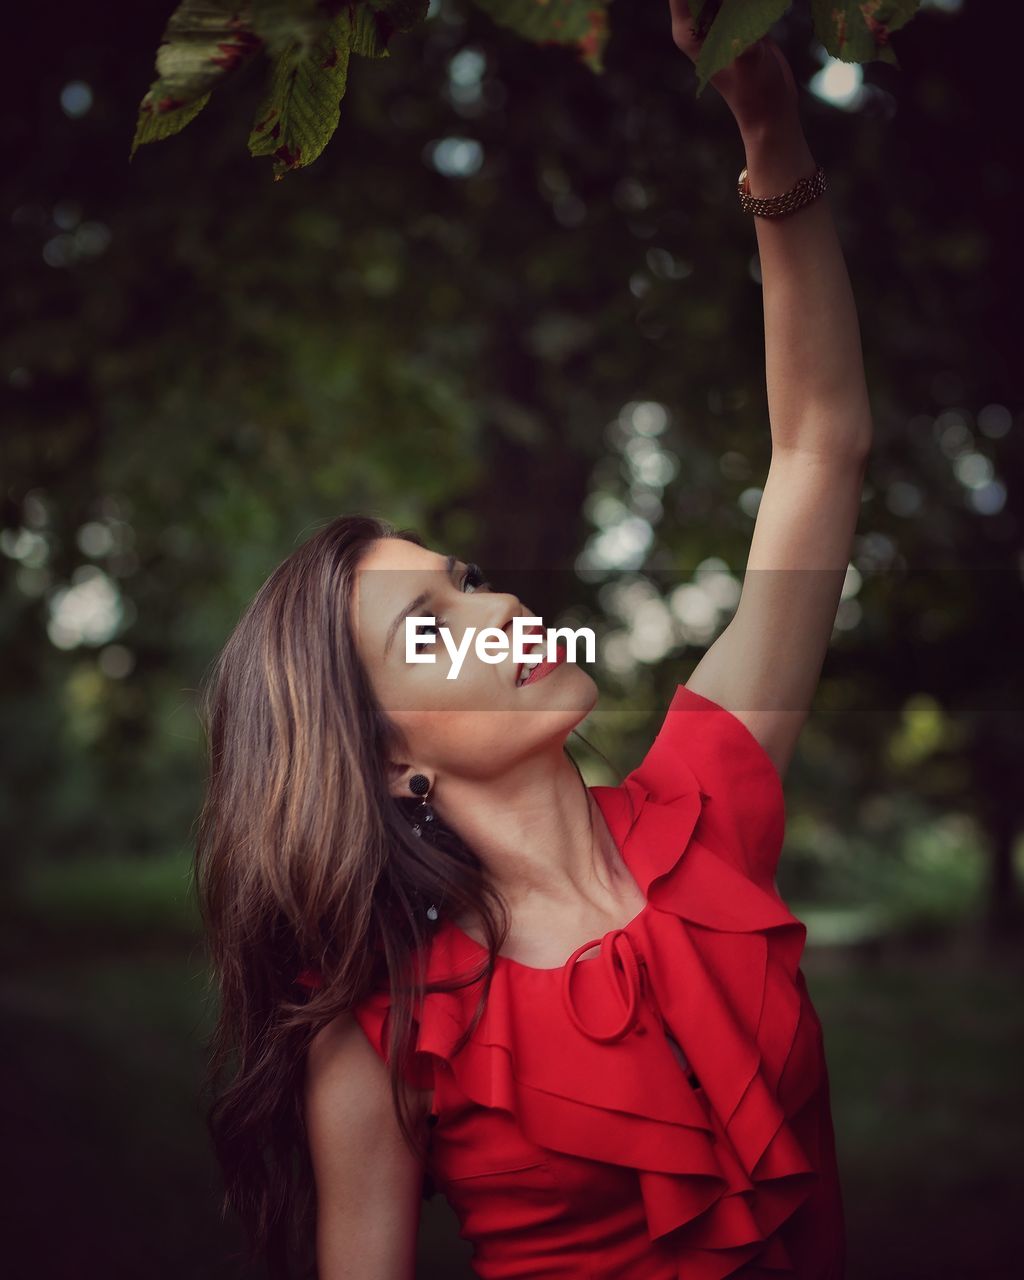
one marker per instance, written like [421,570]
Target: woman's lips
[545,668]
[533,639]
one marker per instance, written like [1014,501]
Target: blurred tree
[309,43]
[514,305]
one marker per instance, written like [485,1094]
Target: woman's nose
[503,610]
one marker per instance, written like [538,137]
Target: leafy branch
[309,43]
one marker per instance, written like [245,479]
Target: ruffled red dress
[571,1137]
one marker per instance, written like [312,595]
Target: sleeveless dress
[658,1110]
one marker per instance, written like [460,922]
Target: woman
[441,957]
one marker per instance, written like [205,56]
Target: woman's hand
[758,86]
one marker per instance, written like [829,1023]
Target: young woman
[444,961]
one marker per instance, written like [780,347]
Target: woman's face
[480,723]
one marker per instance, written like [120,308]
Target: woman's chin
[567,690]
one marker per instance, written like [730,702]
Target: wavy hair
[304,859]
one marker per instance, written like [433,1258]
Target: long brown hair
[304,859]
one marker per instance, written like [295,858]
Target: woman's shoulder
[372,1013]
[706,765]
[700,739]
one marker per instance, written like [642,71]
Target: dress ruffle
[721,1167]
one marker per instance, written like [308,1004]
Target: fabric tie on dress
[617,942]
[731,1178]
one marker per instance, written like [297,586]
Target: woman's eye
[427,626]
[474,577]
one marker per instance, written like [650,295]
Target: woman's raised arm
[766,665]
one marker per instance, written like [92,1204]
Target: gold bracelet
[806,190]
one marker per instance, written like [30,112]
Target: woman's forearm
[817,395]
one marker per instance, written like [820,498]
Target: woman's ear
[398,785]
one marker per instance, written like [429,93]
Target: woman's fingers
[757,85]
[684,30]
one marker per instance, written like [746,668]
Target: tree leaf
[310,42]
[703,13]
[859,32]
[370,33]
[737,25]
[580,23]
[154,126]
[376,21]
[301,108]
[203,42]
[280,24]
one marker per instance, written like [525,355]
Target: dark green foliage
[860,32]
[243,360]
[737,25]
[205,41]
[309,43]
[301,107]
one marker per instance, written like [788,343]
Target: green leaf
[859,32]
[370,33]
[301,108]
[580,23]
[203,42]
[737,25]
[703,13]
[374,22]
[280,24]
[154,125]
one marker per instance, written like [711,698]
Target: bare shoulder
[341,1049]
[368,1179]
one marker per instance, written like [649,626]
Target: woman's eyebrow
[413,605]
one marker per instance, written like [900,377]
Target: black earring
[419,785]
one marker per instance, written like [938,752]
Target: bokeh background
[515,306]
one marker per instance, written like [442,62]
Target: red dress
[568,1137]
